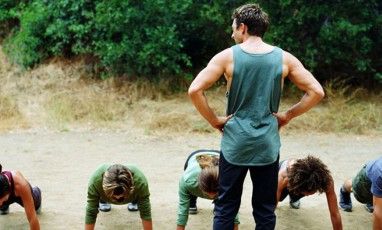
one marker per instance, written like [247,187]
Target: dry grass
[344,110]
[60,96]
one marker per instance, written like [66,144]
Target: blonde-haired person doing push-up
[118,184]
[199,179]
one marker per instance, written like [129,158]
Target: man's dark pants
[231,180]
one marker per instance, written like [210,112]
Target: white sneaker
[295,204]
[132,207]
[104,207]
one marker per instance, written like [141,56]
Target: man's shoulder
[223,58]
[226,52]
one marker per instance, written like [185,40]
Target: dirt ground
[61,163]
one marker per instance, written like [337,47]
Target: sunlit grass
[344,109]
[10,115]
[61,96]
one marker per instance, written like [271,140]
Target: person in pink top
[14,188]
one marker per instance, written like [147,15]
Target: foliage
[25,47]
[132,37]
[206,29]
[139,37]
[8,19]
[161,38]
[340,38]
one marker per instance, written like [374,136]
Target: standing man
[255,73]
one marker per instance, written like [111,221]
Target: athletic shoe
[4,211]
[104,207]
[38,211]
[294,204]
[132,207]
[369,207]
[193,210]
[345,201]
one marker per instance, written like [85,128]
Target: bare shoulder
[19,180]
[295,71]
[222,63]
[283,168]
[289,58]
[223,56]
[290,63]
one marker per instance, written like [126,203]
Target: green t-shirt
[95,192]
[251,137]
[188,185]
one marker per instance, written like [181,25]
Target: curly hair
[253,17]
[118,179]
[208,178]
[309,175]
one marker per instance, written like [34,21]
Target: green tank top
[251,137]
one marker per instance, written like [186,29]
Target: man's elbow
[319,93]
[192,93]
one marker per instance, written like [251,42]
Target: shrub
[331,38]
[26,47]
[132,37]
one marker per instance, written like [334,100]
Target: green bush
[161,38]
[26,47]
[139,37]
[331,38]
[8,17]
[128,37]
[206,29]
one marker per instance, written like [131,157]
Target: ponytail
[208,179]
[206,160]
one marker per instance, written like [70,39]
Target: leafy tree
[333,38]
[132,37]
[8,17]
[206,29]
[160,38]
[140,37]
[25,47]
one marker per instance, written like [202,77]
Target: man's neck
[255,44]
[253,40]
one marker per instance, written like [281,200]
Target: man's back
[251,136]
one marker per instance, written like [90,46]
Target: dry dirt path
[61,163]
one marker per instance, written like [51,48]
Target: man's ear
[243,28]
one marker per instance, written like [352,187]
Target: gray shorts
[361,187]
